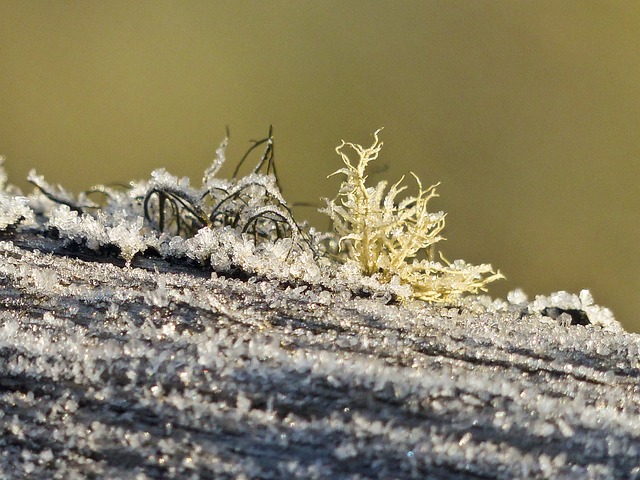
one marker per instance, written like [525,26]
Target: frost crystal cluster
[14,208]
[242,223]
[387,238]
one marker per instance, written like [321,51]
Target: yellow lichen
[390,239]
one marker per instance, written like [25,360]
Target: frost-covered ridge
[163,372]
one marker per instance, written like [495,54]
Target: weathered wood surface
[162,371]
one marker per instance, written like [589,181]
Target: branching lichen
[388,239]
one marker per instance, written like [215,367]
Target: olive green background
[527,112]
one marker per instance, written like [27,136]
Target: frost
[210,181]
[221,217]
[78,227]
[563,304]
[14,208]
[517,297]
[128,237]
[96,232]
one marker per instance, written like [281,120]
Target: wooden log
[164,370]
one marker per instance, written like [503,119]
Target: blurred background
[527,112]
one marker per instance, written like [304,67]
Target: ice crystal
[389,239]
[14,208]
[210,180]
[568,305]
[96,232]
